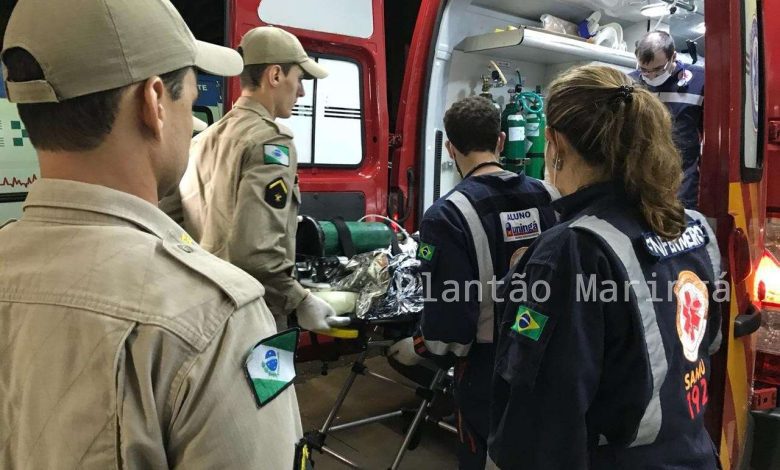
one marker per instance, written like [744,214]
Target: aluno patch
[520,225]
[270,366]
[426,251]
[276,155]
[529,323]
[276,193]
[693,237]
[692,312]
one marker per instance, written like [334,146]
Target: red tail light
[767,293]
[768,281]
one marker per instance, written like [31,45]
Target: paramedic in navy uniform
[681,88]
[469,237]
[609,369]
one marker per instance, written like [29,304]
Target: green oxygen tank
[511,108]
[533,108]
[320,238]
[514,148]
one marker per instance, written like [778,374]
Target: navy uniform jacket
[683,95]
[608,375]
[469,236]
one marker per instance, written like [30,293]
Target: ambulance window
[753,119]
[327,121]
[344,17]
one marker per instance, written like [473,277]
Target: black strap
[395,247]
[345,237]
[482,165]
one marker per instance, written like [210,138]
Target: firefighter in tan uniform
[240,195]
[124,344]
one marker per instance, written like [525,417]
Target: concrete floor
[372,446]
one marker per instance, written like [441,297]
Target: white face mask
[659,79]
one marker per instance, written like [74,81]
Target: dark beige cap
[88,46]
[271,45]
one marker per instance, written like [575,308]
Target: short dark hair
[250,76]
[473,124]
[76,124]
[653,42]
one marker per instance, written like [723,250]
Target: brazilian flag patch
[426,251]
[529,323]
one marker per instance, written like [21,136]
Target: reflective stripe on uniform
[485,262]
[686,98]
[650,425]
[440,348]
[714,254]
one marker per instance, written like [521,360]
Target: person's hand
[403,352]
[314,314]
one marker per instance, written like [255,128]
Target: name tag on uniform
[694,236]
[270,366]
[520,225]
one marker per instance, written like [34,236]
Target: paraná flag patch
[270,366]
[276,155]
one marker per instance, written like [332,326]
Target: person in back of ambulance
[607,365]
[239,197]
[124,344]
[681,88]
[468,239]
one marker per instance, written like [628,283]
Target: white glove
[403,352]
[314,314]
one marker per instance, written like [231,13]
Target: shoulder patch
[276,155]
[270,365]
[520,225]
[684,77]
[426,251]
[276,193]
[529,323]
[692,312]
[693,237]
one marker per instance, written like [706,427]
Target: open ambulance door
[407,143]
[733,195]
[340,126]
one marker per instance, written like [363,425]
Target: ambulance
[370,136]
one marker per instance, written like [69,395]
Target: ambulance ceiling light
[655,10]
[699,28]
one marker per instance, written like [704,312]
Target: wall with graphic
[18,161]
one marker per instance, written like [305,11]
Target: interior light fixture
[699,28]
[666,7]
[655,10]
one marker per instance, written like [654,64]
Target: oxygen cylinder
[533,107]
[514,148]
[511,108]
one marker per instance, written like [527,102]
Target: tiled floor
[373,446]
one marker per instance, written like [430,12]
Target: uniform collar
[574,204]
[253,105]
[79,203]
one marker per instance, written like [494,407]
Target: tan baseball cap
[88,46]
[272,45]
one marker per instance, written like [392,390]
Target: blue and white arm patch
[693,237]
